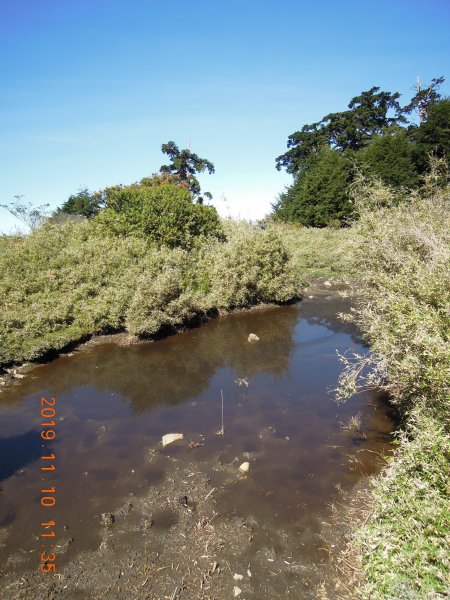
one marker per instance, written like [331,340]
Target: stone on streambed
[169,438]
[107,519]
[244,468]
[253,338]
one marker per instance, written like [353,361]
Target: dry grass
[403,265]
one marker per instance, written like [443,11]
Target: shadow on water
[114,404]
[17,451]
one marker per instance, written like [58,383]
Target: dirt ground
[173,542]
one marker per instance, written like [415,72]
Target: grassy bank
[65,282]
[402,261]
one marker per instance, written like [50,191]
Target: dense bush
[402,262]
[63,282]
[253,267]
[164,214]
[60,283]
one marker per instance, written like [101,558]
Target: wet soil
[135,520]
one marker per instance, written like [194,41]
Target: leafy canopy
[348,130]
[373,136]
[184,165]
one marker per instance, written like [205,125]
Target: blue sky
[92,88]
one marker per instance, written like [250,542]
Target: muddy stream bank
[135,520]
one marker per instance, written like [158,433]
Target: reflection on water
[114,403]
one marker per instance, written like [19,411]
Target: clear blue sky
[92,88]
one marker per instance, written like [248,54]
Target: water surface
[114,404]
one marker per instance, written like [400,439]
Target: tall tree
[425,98]
[369,114]
[184,165]
[319,196]
[433,135]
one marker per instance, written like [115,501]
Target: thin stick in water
[222,431]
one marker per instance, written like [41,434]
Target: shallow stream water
[114,403]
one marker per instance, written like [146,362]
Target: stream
[113,404]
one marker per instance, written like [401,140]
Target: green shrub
[162,301]
[164,214]
[404,545]
[253,267]
[64,282]
[402,262]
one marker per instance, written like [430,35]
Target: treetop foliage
[184,165]
[83,204]
[348,130]
[373,136]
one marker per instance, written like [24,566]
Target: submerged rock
[253,338]
[169,438]
[108,519]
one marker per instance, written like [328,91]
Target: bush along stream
[402,262]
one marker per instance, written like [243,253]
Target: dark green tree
[82,204]
[319,195]
[433,135]
[369,114]
[425,98]
[390,157]
[184,165]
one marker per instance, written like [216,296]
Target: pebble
[244,468]
[169,438]
[253,338]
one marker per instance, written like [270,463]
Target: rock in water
[169,438]
[253,338]
[244,468]
[107,519]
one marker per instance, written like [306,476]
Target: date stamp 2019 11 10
[48,492]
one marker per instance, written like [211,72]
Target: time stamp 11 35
[47,491]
